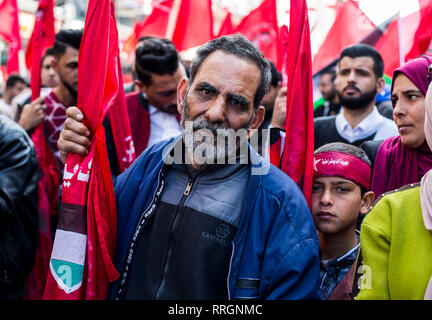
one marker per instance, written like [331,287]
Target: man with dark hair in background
[15,84]
[152,110]
[28,114]
[327,88]
[359,78]
[49,76]
[52,108]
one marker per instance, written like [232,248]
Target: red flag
[297,158]
[155,25]
[226,27]
[351,25]
[81,261]
[121,130]
[260,27]
[194,25]
[423,35]
[49,175]
[9,31]
[388,44]
[45,19]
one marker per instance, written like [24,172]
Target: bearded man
[359,78]
[200,216]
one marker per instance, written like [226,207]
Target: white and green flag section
[67,261]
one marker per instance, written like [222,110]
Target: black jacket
[19,177]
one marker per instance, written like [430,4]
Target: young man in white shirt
[359,78]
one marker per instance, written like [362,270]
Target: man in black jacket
[19,176]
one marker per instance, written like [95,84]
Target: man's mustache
[213,128]
[351,87]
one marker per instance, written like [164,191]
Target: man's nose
[216,111]
[352,76]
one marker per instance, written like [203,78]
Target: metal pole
[401,49]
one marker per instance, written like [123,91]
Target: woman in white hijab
[396,236]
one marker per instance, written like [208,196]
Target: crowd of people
[220,220]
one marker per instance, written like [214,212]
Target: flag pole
[172,21]
[401,49]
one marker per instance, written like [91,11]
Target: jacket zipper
[172,234]
[229,271]
[146,213]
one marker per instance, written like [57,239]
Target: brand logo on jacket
[221,233]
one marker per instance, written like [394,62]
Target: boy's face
[336,204]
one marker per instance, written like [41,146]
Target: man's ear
[181,94]
[258,117]
[140,85]
[367,201]
[380,85]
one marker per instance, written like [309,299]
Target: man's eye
[206,92]
[239,103]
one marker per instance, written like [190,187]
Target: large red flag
[297,158]
[9,31]
[226,27]
[194,25]
[351,25]
[45,19]
[155,25]
[423,35]
[49,172]
[81,261]
[388,44]
[260,26]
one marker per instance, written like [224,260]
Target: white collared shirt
[162,126]
[374,122]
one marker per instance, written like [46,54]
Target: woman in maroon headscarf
[404,159]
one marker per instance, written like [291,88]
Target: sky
[380,10]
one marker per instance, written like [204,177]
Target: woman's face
[408,111]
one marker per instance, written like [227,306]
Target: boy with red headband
[340,194]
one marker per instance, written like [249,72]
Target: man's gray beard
[225,145]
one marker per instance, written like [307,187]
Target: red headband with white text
[329,164]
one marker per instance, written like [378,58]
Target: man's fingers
[76,126]
[67,147]
[72,142]
[74,113]
[70,136]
